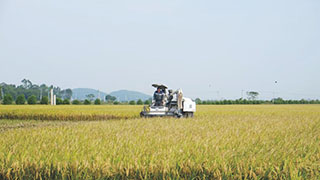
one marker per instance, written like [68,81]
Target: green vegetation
[245,101]
[28,89]
[1,93]
[221,142]
[7,99]
[59,101]
[44,100]
[66,102]
[110,99]
[132,103]
[76,102]
[97,102]
[139,102]
[147,102]
[21,100]
[87,102]
[32,100]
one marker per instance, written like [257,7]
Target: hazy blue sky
[202,46]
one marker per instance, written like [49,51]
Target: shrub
[97,102]
[139,102]
[32,100]
[44,100]
[147,102]
[66,101]
[76,102]
[59,101]
[116,103]
[21,99]
[87,102]
[7,99]
[198,101]
[132,102]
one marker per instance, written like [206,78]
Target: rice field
[69,112]
[220,142]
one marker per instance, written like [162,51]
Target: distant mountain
[80,93]
[122,95]
[125,95]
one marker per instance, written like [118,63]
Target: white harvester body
[172,104]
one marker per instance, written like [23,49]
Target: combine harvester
[169,104]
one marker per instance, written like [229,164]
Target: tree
[110,98]
[278,101]
[87,102]
[10,89]
[139,102]
[32,100]
[116,103]
[7,99]
[59,101]
[252,95]
[132,102]
[198,101]
[97,102]
[76,102]
[21,99]
[25,83]
[90,96]
[0,93]
[147,102]
[66,101]
[29,89]
[44,100]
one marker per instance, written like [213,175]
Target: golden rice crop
[221,142]
[68,113]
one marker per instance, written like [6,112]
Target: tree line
[246,101]
[31,93]
[252,99]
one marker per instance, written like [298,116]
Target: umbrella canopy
[161,86]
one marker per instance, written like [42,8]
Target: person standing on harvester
[158,96]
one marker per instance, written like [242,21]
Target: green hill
[125,95]
[122,95]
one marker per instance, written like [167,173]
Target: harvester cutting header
[171,103]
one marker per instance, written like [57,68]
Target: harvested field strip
[6,125]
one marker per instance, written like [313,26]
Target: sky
[211,49]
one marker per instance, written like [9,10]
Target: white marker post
[51,97]
[54,100]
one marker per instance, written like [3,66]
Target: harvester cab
[169,103]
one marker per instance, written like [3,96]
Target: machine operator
[158,96]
